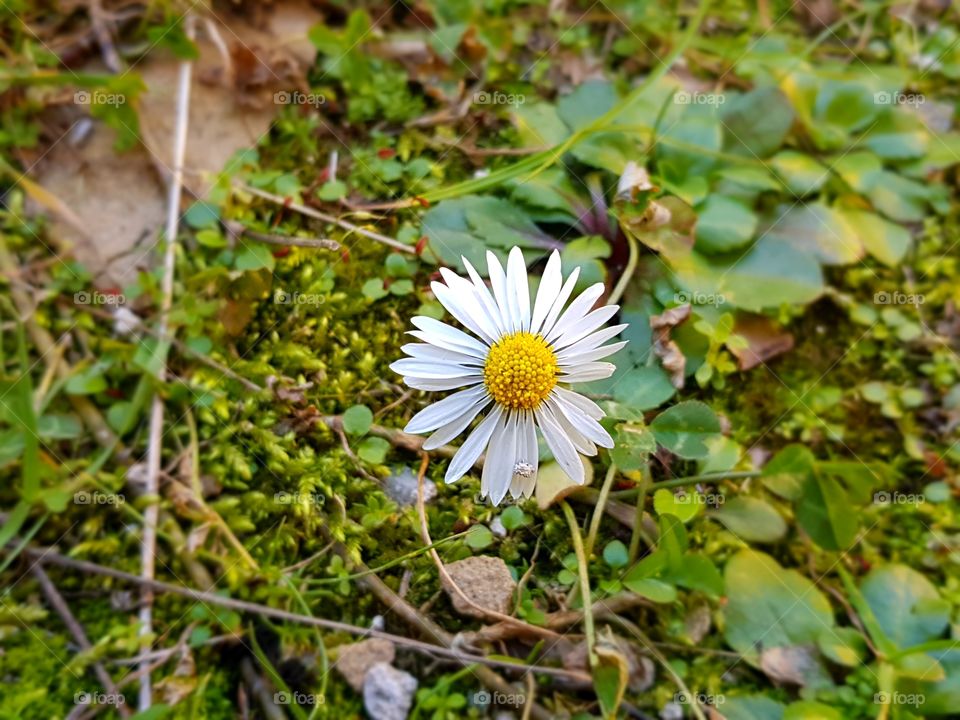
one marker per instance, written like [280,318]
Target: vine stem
[584,580]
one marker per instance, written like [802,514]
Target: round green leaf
[357,420]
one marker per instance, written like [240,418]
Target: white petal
[443,411]
[547,293]
[498,283]
[472,301]
[493,310]
[446,384]
[456,426]
[500,460]
[518,289]
[447,336]
[527,452]
[585,425]
[586,325]
[561,300]
[560,445]
[571,361]
[587,406]
[593,340]
[433,353]
[588,372]
[578,308]
[411,367]
[471,449]
[582,444]
[458,305]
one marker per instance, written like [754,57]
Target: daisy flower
[517,361]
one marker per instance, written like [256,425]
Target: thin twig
[317,215]
[155,446]
[584,580]
[49,556]
[76,630]
[236,229]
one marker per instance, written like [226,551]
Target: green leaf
[254,256]
[802,174]
[819,230]
[752,519]
[357,420]
[615,554]
[844,645]
[759,593]
[767,275]
[202,215]
[752,707]
[478,537]
[652,589]
[906,605]
[374,289]
[87,381]
[332,190]
[685,507]
[860,170]
[724,224]
[886,241]
[756,123]
[632,446]
[373,450]
[513,517]
[824,512]
[787,472]
[810,710]
[684,428]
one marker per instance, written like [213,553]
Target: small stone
[388,692]
[356,659]
[497,528]
[485,580]
[401,487]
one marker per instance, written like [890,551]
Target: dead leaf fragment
[763,337]
[671,357]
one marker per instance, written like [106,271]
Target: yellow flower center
[520,371]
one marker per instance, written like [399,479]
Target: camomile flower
[513,368]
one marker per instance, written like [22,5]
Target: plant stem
[598,510]
[691,480]
[637,532]
[584,580]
